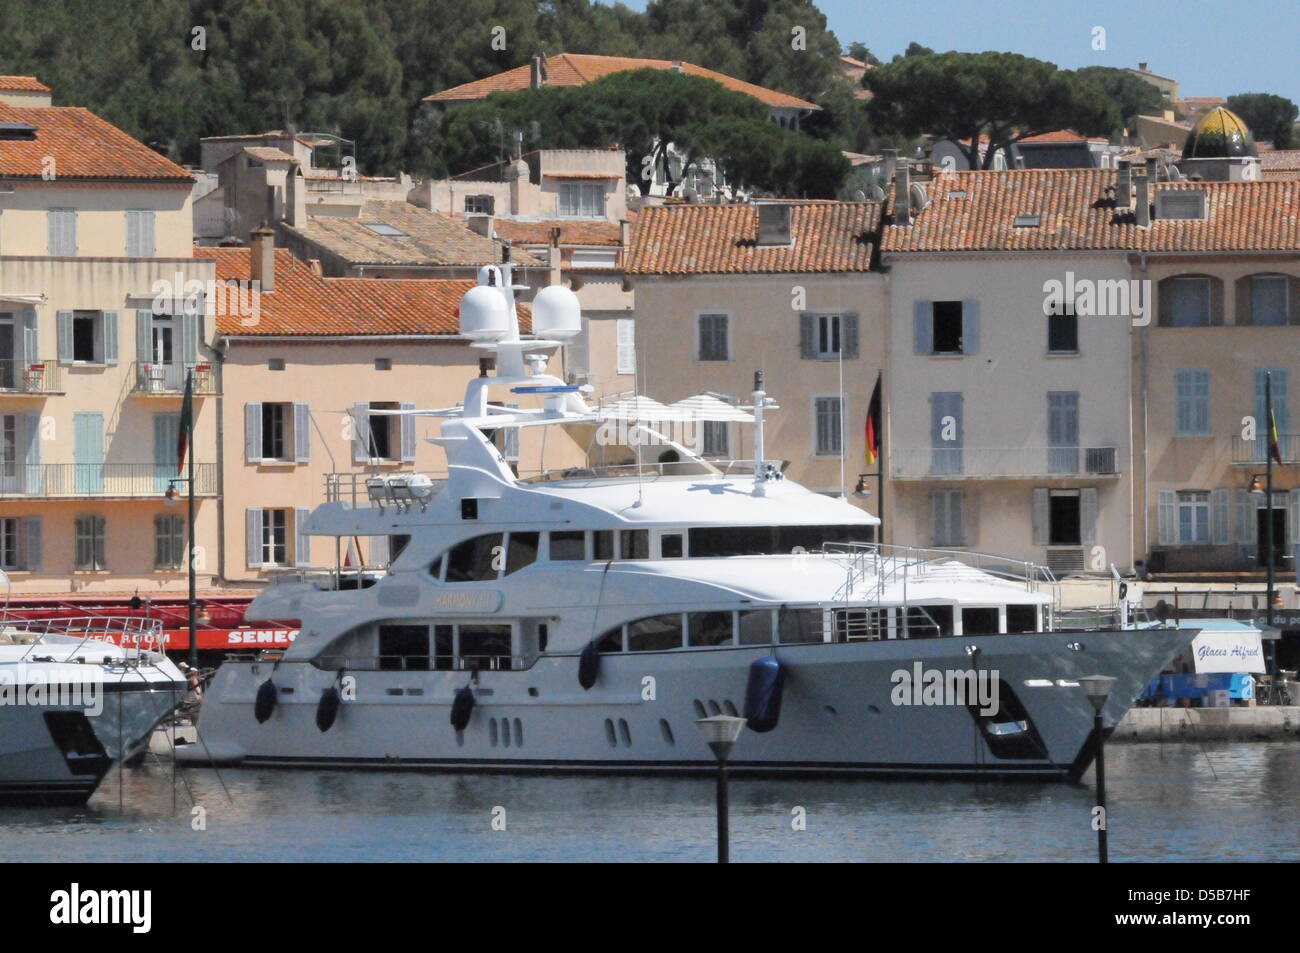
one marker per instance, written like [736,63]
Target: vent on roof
[774,224]
[1181,204]
[957,194]
[17,131]
[383,228]
[1028,221]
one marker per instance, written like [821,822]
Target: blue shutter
[252,433]
[191,336]
[108,328]
[32,453]
[1063,431]
[1166,517]
[302,547]
[144,336]
[970,326]
[1295,530]
[65,336]
[166,435]
[408,433]
[1280,408]
[923,327]
[849,334]
[361,432]
[301,433]
[1042,516]
[1219,517]
[31,344]
[1247,533]
[88,452]
[32,543]
[253,538]
[1088,515]
[946,455]
[807,335]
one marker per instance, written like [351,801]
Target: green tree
[1004,96]
[1270,118]
[1132,96]
[859,51]
[913,49]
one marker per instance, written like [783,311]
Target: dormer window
[1185,204]
[1027,221]
[383,228]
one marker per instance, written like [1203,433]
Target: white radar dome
[484,315]
[557,314]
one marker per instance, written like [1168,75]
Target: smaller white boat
[73,703]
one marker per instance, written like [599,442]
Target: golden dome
[1219,134]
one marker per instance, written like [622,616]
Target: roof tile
[82,145]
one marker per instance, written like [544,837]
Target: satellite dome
[484,315]
[1219,134]
[557,313]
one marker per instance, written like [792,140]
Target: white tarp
[1238,650]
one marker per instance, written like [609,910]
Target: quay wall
[1271,723]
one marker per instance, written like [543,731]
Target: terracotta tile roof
[578,69]
[83,147]
[721,239]
[975,211]
[269,154]
[1279,159]
[429,238]
[1063,135]
[25,84]
[571,233]
[306,304]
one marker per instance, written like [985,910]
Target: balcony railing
[168,378]
[28,377]
[982,463]
[74,480]
[1255,452]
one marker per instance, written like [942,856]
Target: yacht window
[443,648]
[436,569]
[568,545]
[670,546]
[800,625]
[403,648]
[611,641]
[475,560]
[767,540]
[655,634]
[755,627]
[522,552]
[634,544]
[397,544]
[709,628]
[942,616]
[602,544]
[1022,618]
[979,621]
[922,622]
[485,647]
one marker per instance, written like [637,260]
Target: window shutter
[191,335]
[301,433]
[970,326]
[1088,515]
[1042,516]
[626,337]
[144,336]
[108,328]
[31,338]
[923,327]
[1166,517]
[302,547]
[807,335]
[956,529]
[65,336]
[146,235]
[1295,530]
[361,432]
[166,431]
[1246,527]
[1219,517]
[32,452]
[32,543]
[408,433]
[252,433]
[939,517]
[253,538]
[849,334]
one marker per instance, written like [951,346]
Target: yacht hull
[842,712]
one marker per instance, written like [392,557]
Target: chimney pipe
[1153,169]
[480,225]
[903,195]
[1142,66]
[1142,211]
[1124,185]
[889,165]
[262,255]
[535,77]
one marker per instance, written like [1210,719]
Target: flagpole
[880,462]
[189,447]
[1268,518]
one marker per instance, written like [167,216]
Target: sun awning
[22,298]
[638,408]
[1236,649]
[708,407]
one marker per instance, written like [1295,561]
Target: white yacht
[583,619]
[73,704]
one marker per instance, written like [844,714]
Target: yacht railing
[424,663]
[882,564]
[359,488]
[143,635]
[650,470]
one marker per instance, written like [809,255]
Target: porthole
[730,708]
[699,709]
[609,734]
[519,733]
[625,732]
[713,708]
[492,732]
[667,731]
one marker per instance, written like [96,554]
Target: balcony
[926,463]
[1255,452]
[126,481]
[19,378]
[168,379]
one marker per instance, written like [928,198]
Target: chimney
[1142,67]
[1124,185]
[262,256]
[902,195]
[553,258]
[536,73]
[774,223]
[1142,211]
[480,225]
[624,233]
[677,66]
[889,165]
[295,204]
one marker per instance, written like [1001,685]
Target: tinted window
[403,647]
[485,646]
[523,551]
[475,560]
[569,545]
[442,648]
[756,627]
[602,544]
[611,641]
[634,544]
[709,628]
[655,633]
[979,621]
[1022,618]
[800,625]
[670,546]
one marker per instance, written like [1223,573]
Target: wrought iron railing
[73,480]
[986,463]
[29,377]
[1256,451]
[168,378]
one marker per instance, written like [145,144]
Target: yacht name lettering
[485,601]
[75,906]
[935,686]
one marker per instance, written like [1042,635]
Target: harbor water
[1179,802]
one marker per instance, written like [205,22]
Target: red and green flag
[187,422]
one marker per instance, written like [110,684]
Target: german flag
[873,424]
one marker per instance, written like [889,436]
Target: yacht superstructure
[582,619]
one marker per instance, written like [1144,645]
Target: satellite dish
[859,195]
[691,195]
[876,193]
[1162,611]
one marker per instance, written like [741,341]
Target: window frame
[169,539]
[830,327]
[1067,311]
[1196,404]
[90,531]
[726,337]
[817,399]
[567,207]
[11,528]
[1198,503]
[269,544]
[934,328]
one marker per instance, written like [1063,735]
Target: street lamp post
[1098,688]
[720,733]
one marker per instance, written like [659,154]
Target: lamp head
[720,733]
[1098,688]
[1257,485]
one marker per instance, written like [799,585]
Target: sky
[1211,47]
